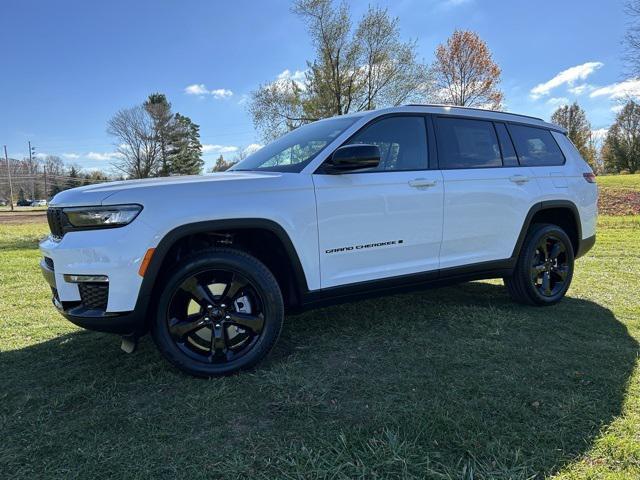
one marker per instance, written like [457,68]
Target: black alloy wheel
[221,311]
[549,266]
[544,268]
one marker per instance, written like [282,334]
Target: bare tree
[137,143]
[352,70]
[465,73]
[632,38]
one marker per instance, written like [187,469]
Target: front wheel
[544,268]
[220,311]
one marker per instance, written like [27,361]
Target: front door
[385,222]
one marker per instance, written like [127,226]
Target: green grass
[450,383]
[626,182]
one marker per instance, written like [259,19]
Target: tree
[221,165]
[74,178]
[185,151]
[574,119]
[632,38]
[353,70]
[22,199]
[159,109]
[465,73]
[138,147]
[621,149]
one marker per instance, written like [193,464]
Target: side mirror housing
[351,158]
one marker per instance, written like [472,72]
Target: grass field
[450,383]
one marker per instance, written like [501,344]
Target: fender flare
[547,205]
[169,239]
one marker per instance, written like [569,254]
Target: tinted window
[509,157]
[293,151]
[535,146]
[402,142]
[466,143]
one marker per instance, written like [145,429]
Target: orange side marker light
[146,261]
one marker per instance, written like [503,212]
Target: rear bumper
[124,323]
[585,245]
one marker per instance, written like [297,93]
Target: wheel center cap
[216,312]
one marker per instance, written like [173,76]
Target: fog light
[86,278]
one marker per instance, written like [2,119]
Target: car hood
[132,189]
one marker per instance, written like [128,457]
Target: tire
[544,268]
[220,311]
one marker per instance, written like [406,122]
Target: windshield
[293,151]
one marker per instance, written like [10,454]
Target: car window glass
[509,157]
[465,143]
[536,146]
[402,142]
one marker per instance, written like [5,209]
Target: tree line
[40,179]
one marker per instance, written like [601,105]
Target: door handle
[519,179]
[422,183]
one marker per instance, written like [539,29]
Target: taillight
[590,177]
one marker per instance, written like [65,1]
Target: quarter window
[464,143]
[508,153]
[402,142]
[536,147]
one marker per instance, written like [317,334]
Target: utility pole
[35,178]
[6,157]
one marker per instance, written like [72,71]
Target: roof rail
[471,108]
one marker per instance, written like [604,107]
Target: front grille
[94,295]
[57,220]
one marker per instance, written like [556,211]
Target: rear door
[384,222]
[487,194]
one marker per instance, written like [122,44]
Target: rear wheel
[220,311]
[544,268]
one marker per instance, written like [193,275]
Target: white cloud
[580,89]
[221,93]
[201,89]
[568,76]
[196,89]
[628,88]
[209,148]
[252,148]
[71,156]
[40,155]
[284,79]
[103,156]
[557,101]
[617,108]
[599,134]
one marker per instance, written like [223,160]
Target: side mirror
[350,158]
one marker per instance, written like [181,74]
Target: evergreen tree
[185,151]
[574,119]
[74,178]
[21,197]
[221,165]
[159,109]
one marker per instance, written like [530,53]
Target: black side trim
[546,205]
[406,283]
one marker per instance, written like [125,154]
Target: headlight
[101,217]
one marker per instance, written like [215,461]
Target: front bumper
[124,323]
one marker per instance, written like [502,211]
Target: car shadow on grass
[427,384]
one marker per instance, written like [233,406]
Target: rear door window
[536,147]
[466,143]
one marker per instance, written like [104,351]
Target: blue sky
[67,66]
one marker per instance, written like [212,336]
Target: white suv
[371,203]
